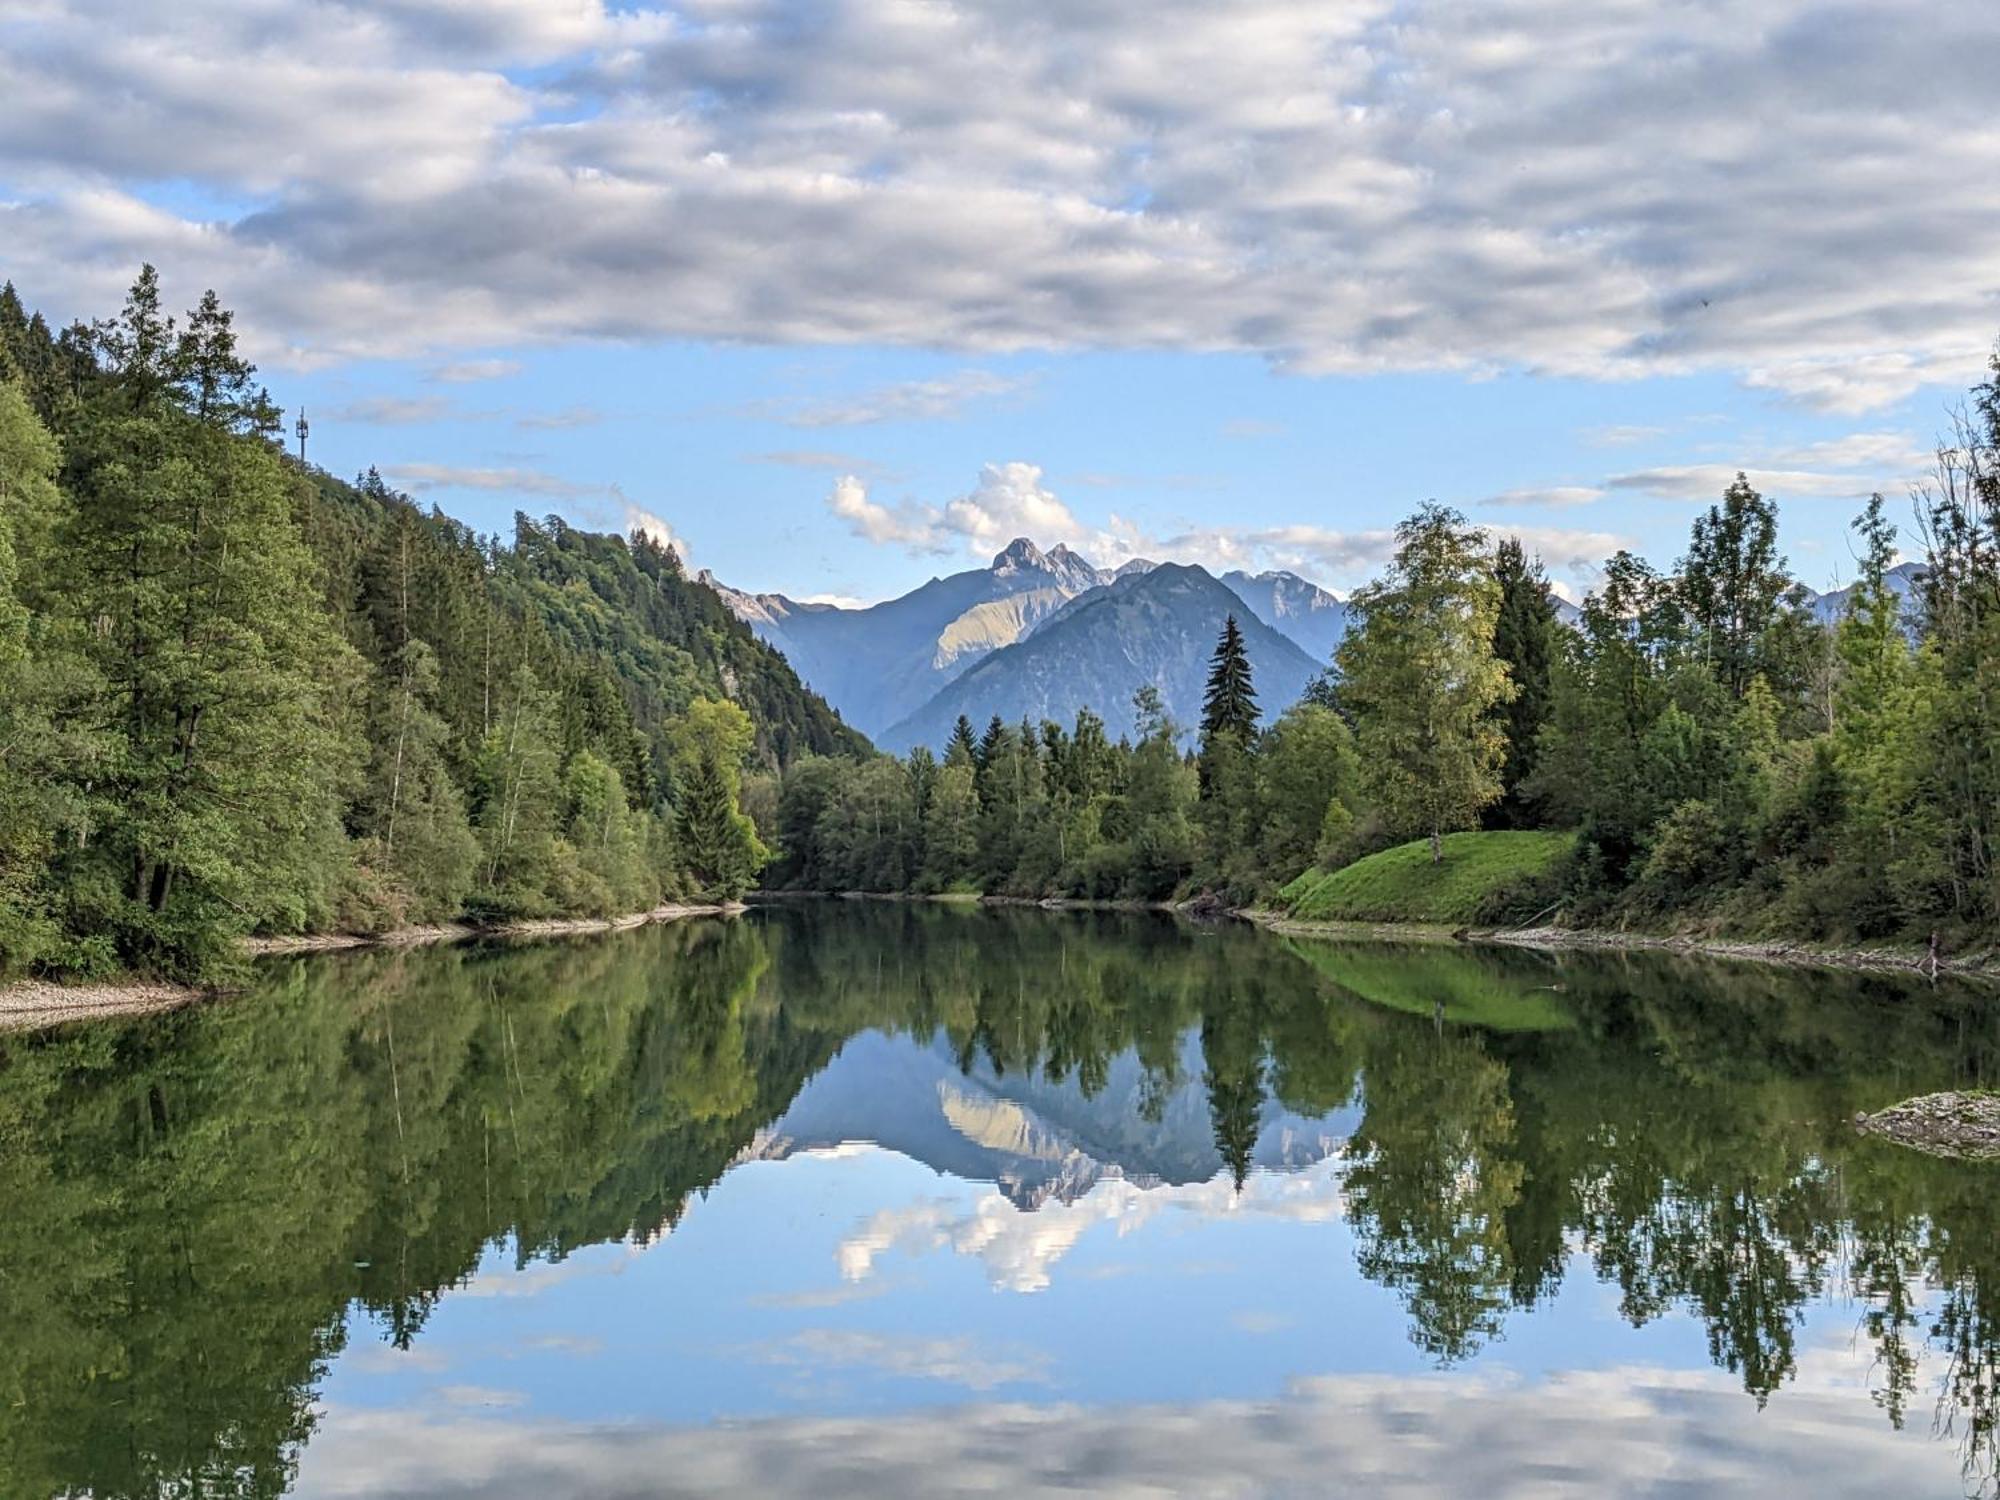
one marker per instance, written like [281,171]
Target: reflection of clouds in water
[954,1361]
[1622,1432]
[1020,1248]
[537,1277]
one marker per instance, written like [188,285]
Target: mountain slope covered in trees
[237,694]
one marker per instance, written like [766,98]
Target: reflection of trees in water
[196,1201]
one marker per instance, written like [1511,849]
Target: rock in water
[1948,1124]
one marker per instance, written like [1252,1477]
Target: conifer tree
[1524,640]
[964,746]
[1230,704]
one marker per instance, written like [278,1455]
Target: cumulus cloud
[1014,500]
[649,525]
[1571,187]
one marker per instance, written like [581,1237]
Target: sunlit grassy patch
[1485,877]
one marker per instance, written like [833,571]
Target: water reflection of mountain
[1035,1137]
[194,1203]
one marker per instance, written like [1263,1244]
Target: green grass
[1472,988]
[1485,877]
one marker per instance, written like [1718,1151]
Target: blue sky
[846,293]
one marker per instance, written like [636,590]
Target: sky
[843,294]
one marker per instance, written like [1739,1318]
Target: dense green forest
[237,694]
[1726,759]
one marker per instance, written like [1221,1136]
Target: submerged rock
[1948,1124]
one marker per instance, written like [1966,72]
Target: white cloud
[1551,497]
[932,400]
[1020,1248]
[647,524]
[1708,481]
[392,411]
[1571,187]
[466,371]
[1598,1432]
[1013,500]
[1620,436]
[950,1361]
[421,477]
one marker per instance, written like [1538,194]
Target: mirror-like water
[852,1199]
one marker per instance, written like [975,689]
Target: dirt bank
[1898,960]
[30,1003]
[458,932]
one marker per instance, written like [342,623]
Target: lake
[858,1199]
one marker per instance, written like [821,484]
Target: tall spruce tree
[1523,639]
[1229,706]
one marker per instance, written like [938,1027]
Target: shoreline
[32,1004]
[1887,959]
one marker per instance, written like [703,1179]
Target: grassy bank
[1485,878]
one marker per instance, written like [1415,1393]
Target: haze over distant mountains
[1041,634]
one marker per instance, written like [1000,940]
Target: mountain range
[1041,634]
[1038,635]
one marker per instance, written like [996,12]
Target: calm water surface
[881,1201]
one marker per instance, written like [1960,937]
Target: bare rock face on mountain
[884,664]
[881,663]
[1312,618]
[1156,628]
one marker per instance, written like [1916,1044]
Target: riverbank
[29,1004]
[1983,964]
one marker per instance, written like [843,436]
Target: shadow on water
[196,1202]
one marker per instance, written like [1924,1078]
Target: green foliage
[1524,641]
[237,694]
[1421,680]
[1484,877]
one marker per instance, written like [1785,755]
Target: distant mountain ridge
[1157,629]
[885,664]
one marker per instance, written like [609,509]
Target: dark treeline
[1724,757]
[1683,1129]
[237,694]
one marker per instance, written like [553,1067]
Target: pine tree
[718,842]
[964,746]
[1230,703]
[1524,640]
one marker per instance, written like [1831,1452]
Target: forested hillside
[238,694]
